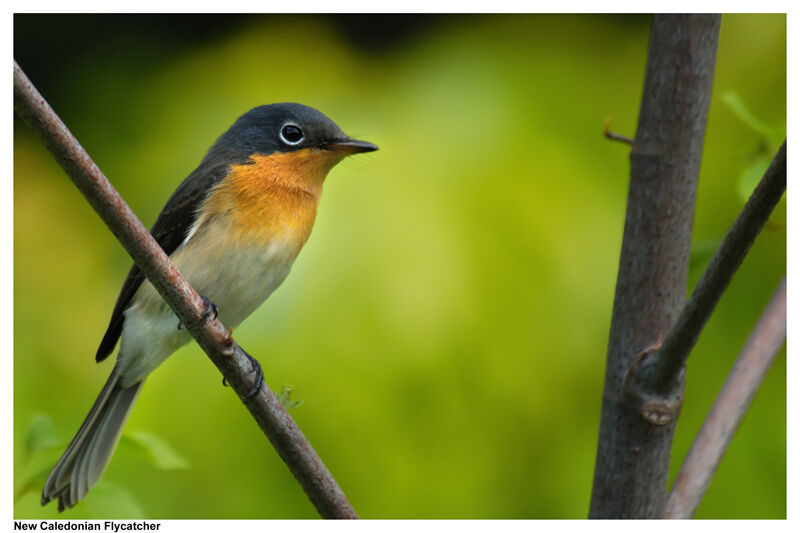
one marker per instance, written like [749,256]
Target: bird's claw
[259,380]
[255,366]
[209,309]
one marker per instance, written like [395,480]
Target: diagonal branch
[730,407]
[657,371]
[211,335]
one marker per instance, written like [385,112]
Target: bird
[233,228]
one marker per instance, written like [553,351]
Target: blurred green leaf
[108,499]
[285,398]
[162,455]
[34,472]
[750,176]
[41,434]
[773,136]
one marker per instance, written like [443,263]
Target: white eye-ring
[291,134]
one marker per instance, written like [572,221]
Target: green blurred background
[446,324]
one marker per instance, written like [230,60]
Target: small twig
[730,407]
[211,335]
[657,372]
[615,136]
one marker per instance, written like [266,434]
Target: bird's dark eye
[292,135]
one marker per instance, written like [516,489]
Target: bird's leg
[209,309]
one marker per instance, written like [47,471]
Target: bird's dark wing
[169,230]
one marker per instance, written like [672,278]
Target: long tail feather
[88,454]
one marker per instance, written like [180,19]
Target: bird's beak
[352,146]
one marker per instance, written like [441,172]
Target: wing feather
[169,231]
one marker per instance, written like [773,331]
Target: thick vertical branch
[633,454]
[729,409]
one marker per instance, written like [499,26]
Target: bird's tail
[90,451]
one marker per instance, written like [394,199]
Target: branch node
[659,406]
[659,413]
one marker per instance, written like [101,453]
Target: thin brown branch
[630,478]
[211,335]
[730,407]
[610,135]
[658,370]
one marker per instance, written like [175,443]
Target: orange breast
[275,197]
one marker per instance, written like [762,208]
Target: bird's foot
[209,309]
[255,366]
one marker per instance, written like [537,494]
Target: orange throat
[272,198]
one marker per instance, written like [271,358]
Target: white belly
[237,280]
